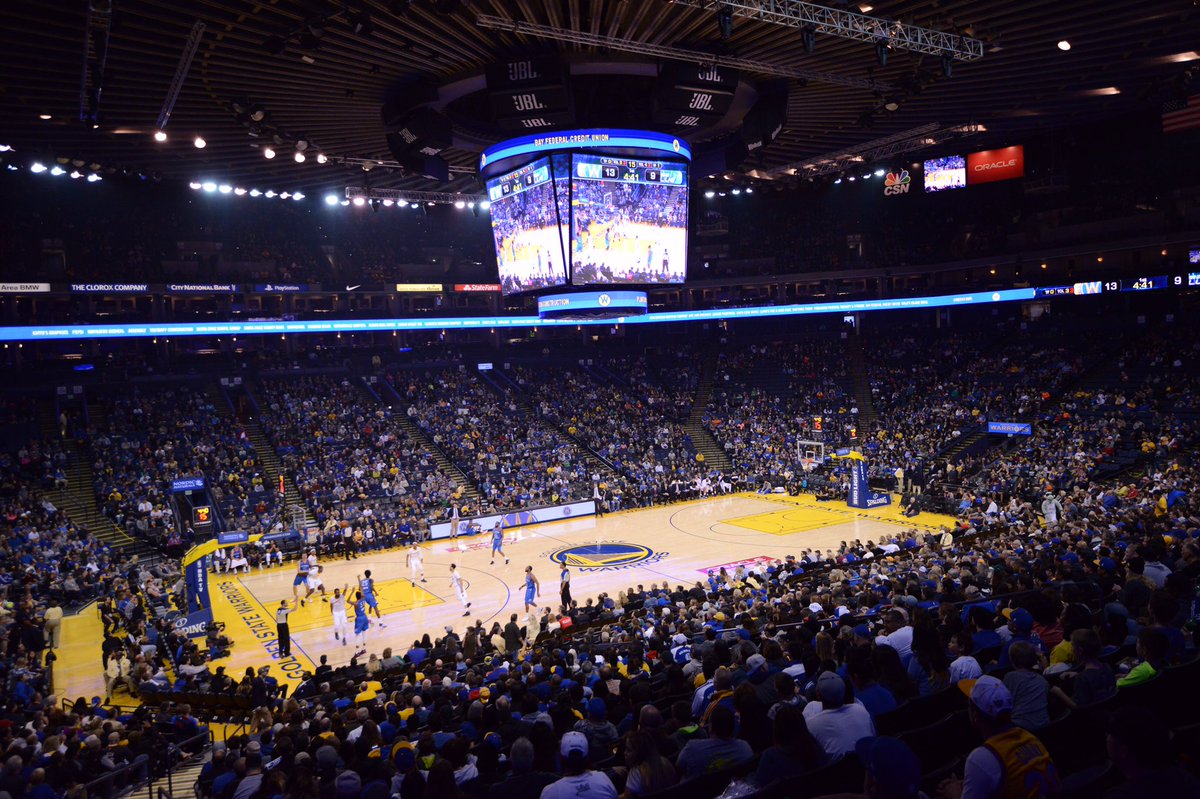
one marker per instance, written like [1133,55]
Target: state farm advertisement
[990,166]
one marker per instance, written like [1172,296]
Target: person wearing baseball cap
[1012,763]
[578,780]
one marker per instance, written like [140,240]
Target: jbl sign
[522,70]
[527,102]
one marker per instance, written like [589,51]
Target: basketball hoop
[807,464]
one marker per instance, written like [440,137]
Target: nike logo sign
[352,288]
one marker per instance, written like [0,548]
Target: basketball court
[676,543]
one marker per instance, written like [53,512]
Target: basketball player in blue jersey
[366,586]
[361,624]
[498,543]
[301,579]
[532,589]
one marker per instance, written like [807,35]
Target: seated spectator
[720,750]
[649,772]
[1090,679]
[1139,743]
[1152,648]
[794,752]
[1011,761]
[1030,692]
[577,780]
[835,722]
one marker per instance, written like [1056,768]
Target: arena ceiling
[1123,55]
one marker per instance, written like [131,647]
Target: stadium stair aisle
[267,456]
[867,418]
[714,454]
[592,457]
[78,499]
[447,466]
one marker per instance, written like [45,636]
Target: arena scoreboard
[591,208]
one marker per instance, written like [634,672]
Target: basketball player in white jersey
[416,564]
[456,582]
[341,627]
[314,583]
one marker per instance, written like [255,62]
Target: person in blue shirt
[361,624]
[366,586]
[498,543]
[301,579]
[532,588]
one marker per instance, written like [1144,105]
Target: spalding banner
[861,495]
[990,166]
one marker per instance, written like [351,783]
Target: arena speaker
[422,131]
[692,96]
[720,155]
[530,93]
[766,119]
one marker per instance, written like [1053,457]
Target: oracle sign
[992,165]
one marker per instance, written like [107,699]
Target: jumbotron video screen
[525,225]
[628,220]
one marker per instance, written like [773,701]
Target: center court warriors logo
[896,183]
[608,556]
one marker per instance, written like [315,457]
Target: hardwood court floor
[676,543]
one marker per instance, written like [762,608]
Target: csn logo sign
[896,183]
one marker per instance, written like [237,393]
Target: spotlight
[401,203]
[269,193]
[45,117]
[880,173]
[471,205]
[92,178]
[285,195]
[194,186]
[388,203]
[199,142]
[736,192]
[160,135]
[57,170]
[808,38]
[268,152]
[486,204]
[322,158]
[460,204]
[359,201]
[1063,45]
[851,178]
[299,156]
[892,104]
[344,203]
[255,193]
[867,176]
[331,199]
[360,23]
[710,194]
[837,181]
[209,186]
[225,188]
[239,191]
[37,167]
[301,144]
[725,22]
[749,190]
[297,196]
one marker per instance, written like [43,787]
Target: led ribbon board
[593,305]
[529,147]
[73,332]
